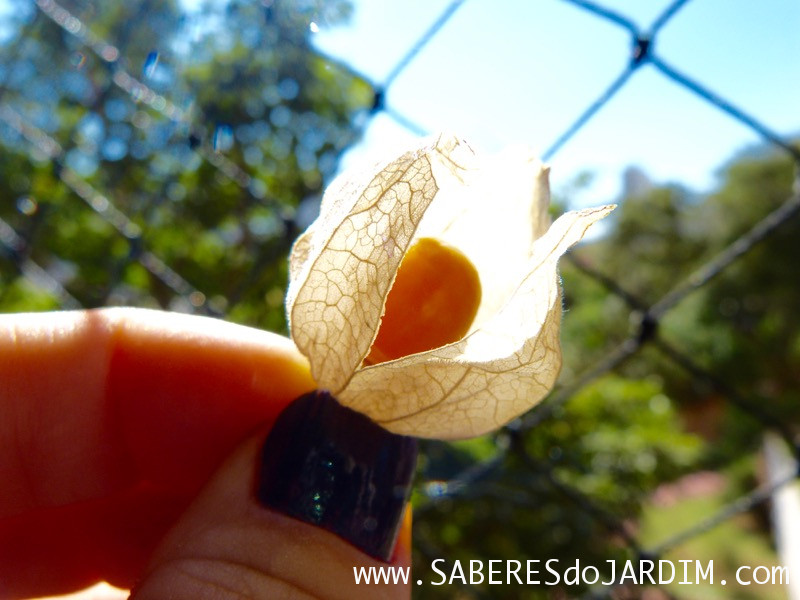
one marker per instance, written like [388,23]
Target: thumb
[297,516]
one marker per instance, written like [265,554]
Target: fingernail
[331,466]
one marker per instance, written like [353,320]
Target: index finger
[94,402]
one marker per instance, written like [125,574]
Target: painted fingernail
[331,466]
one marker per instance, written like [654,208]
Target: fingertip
[188,389]
[402,549]
[328,465]
[229,540]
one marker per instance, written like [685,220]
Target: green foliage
[630,440]
[757,297]
[208,189]
[614,442]
[22,295]
[742,326]
[603,455]
[736,542]
[651,242]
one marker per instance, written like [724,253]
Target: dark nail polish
[331,466]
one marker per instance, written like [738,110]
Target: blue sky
[521,71]
[505,72]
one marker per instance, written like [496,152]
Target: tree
[193,138]
[570,487]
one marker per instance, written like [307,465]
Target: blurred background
[166,153]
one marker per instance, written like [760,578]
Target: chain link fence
[126,231]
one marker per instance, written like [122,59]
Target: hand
[130,442]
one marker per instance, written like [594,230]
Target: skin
[129,450]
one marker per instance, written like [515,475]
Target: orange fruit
[433,302]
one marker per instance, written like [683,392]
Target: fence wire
[15,246]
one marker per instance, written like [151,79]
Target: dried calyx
[468,337]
